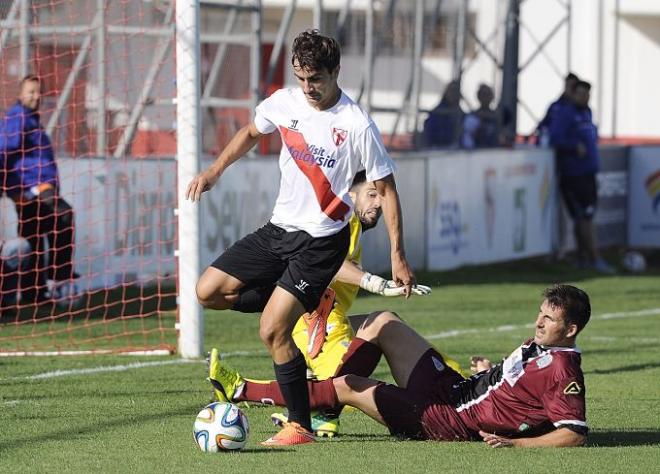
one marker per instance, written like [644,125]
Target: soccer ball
[221,427]
[64,293]
[634,262]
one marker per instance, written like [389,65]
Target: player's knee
[206,294]
[374,324]
[349,387]
[203,293]
[211,294]
[343,387]
[273,335]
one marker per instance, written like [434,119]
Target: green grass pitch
[140,419]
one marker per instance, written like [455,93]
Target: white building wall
[591,55]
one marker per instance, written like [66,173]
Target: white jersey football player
[326,139]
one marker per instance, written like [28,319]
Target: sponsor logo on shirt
[338,135]
[544,361]
[513,367]
[313,155]
[294,124]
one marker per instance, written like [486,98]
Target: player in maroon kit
[535,397]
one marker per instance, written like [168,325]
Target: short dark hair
[314,52]
[584,84]
[573,302]
[29,78]
[360,178]
[571,77]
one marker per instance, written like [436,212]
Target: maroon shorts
[425,408]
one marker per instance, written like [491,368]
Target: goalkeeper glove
[381,286]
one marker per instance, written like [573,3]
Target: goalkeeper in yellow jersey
[324,341]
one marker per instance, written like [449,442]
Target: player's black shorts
[580,195]
[301,264]
[425,408]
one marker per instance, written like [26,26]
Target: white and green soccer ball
[221,427]
[634,262]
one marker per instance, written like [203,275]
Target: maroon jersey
[534,390]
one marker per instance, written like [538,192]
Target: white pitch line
[441,335]
[513,327]
[11,403]
[630,314]
[637,340]
[123,367]
[108,368]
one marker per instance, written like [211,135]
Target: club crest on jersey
[544,361]
[338,135]
[573,388]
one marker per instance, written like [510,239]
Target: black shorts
[580,195]
[425,409]
[301,264]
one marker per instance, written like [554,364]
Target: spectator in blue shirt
[32,182]
[574,138]
[482,127]
[543,128]
[442,128]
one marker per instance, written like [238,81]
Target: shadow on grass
[605,439]
[98,426]
[267,450]
[625,368]
[360,437]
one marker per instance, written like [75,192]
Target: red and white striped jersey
[321,153]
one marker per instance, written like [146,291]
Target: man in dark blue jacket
[554,109]
[574,137]
[32,182]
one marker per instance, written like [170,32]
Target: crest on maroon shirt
[338,135]
[573,388]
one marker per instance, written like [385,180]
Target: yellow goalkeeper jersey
[345,293]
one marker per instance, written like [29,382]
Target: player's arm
[246,138]
[479,364]
[402,274]
[352,274]
[559,438]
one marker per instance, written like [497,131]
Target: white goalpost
[191,318]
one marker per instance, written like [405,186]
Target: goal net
[98,273]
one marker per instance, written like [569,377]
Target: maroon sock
[361,358]
[268,393]
[321,394]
